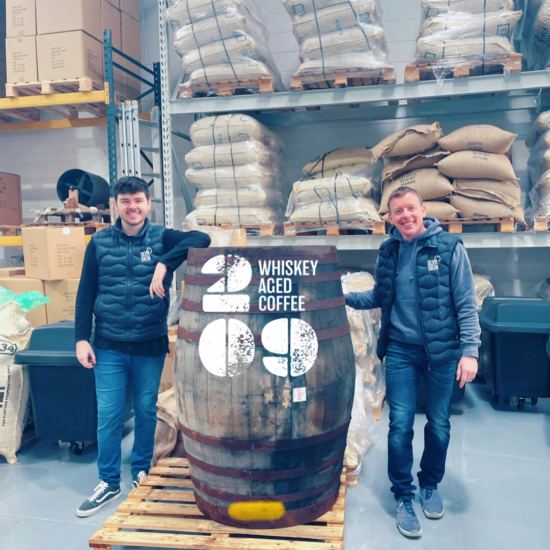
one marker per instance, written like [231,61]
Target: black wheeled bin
[515,347]
[62,390]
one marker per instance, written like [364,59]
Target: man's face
[133,209]
[407,215]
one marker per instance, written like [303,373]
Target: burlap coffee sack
[478,137]
[338,159]
[538,164]
[231,154]
[355,39]
[231,176]
[395,168]
[206,31]
[541,125]
[184,12]
[301,7]
[249,72]
[231,129]
[331,188]
[335,18]
[436,209]
[477,208]
[228,51]
[246,196]
[429,183]
[341,210]
[509,190]
[477,165]
[409,142]
[434,49]
[431,8]
[469,25]
[231,214]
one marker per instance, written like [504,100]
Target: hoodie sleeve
[465,301]
[365,300]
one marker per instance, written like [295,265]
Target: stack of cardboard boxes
[10,199]
[53,264]
[63,39]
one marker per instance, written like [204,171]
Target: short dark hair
[401,192]
[130,185]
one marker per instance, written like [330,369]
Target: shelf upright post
[111,108]
[165,117]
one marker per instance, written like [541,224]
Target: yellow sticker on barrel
[256,511]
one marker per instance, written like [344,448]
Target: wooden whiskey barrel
[249,434]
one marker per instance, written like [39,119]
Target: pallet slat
[291,229]
[501,225]
[541,223]
[227,87]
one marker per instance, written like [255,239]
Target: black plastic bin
[62,390]
[515,347]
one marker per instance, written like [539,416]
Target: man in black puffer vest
[430,327]
[126,278]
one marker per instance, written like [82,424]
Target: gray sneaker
[407,521]
[432,505]
[137,479]
[103,494]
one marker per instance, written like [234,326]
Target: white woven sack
[325,189]
[468,25]
[301,7]
[237,215]
[356,39]
[230,129]
[351,169]
[507,192]
[231,176]
[333,211]
[433,49]
[184,12]
[230,154]
[538,164]
[477,208]
[541,125]
[336,18]
[431,8]
[370,60]
[254,195]
[15,333]
[339,158]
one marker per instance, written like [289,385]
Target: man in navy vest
[126,277]
[430,327]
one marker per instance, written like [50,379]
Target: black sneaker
[103,494]
[137,479]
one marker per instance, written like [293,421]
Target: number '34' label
[7,348]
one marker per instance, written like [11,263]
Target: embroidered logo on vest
[146,256]
[433,265]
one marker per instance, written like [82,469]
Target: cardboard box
[62,295]
[111,19]
[11,272]
[167,377]
[131,8]
[54,16]
[53,253]
[21,61]
[131,46]
[20,18]
[10,199]
[37,316]
[69,55]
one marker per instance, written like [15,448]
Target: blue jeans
[113,371]
[404,365]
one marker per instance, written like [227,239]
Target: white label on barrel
[299,394]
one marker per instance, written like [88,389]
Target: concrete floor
[495,490]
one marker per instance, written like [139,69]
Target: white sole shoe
[86,513]
[415,535]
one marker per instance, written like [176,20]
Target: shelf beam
[73,98]
[53,124]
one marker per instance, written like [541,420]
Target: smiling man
[126,277]
[430,328]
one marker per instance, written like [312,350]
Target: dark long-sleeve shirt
[177,243]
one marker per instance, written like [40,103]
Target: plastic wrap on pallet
[544,289]
[232,176]
[540,198]
[532,35]
[223,46]
[236,216]
[540,126]
[432,8]
[339,40]
[484,288]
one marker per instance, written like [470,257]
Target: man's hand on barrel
[158,278]
[85,354]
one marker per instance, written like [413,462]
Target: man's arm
[84,307]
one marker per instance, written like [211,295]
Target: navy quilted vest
[437,312]
[123,307]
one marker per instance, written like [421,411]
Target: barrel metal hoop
[199,256]
[264,446]
[306,279]
[325,334]
[290,497]
[255,308]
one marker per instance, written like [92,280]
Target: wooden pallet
[227,88]
[473,66]
[292,229]
[49,87]
[162,513]
[10,230]
[541,223]
[341,78]
[501,225]
[268,229]
[89,227]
